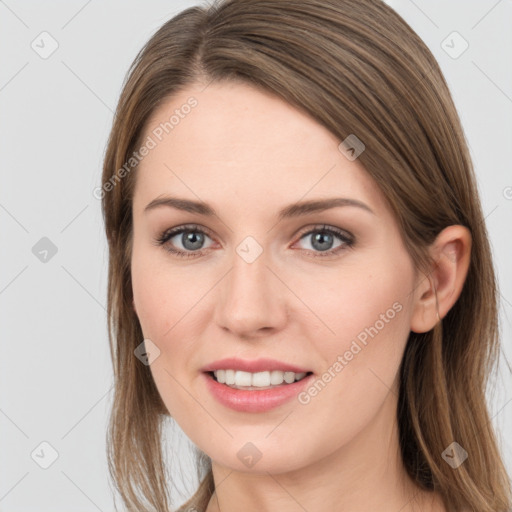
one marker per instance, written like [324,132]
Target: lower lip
[255,401]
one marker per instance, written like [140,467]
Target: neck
[365,474]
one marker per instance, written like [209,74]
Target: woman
[299,274]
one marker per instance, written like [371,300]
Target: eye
[323,239]
[191,237]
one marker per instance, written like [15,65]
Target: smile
[257,398]
[238,379]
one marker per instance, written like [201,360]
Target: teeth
[259,379]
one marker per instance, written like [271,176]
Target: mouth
[258,381]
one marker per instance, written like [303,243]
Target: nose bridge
[250,265]
[250,297]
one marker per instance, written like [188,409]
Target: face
[325,291]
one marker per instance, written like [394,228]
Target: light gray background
[55,370]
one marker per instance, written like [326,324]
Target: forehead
[237,142]
[237,121]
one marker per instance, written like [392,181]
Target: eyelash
[347,239]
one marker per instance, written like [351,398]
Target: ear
[437,292]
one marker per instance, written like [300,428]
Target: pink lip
[257,400]
[259,365]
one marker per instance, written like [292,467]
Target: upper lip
[257,365]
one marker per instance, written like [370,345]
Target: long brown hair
[357,68]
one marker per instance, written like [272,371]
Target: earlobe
[437,292]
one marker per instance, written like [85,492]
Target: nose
[252,300]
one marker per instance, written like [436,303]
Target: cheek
[358,303]
[372,308]
[163,304]
[147,294]
[367,312]
[369,315]
[163,294]
[168,301]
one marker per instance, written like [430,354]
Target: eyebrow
[293,210]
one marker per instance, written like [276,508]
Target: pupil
[195,238]
[320,237]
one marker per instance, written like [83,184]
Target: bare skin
[248,155]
